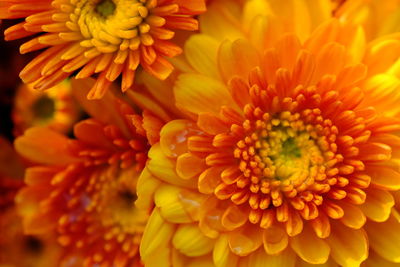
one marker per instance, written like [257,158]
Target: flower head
[84,189]
[54,108]
[289,157]
[104,37]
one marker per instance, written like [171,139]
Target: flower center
[105,8]
[286,149]
[44,107]
[111,25]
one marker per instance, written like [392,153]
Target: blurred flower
[290,156]
[377,17]
[107,37]
[84,189]
[17,249]
[54,108]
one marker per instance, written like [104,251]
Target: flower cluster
[272,140]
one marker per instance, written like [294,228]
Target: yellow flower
[289,157]
[84,189]
[54,108]
[104,37]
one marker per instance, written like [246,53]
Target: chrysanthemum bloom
[84,189]
[54,108]
[291,156]
[110,38]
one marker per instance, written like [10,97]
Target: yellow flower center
[111,25]
[287,149]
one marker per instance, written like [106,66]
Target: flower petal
[201,52]
[384,238]
[44,146]
[189,165]
[164,168]
[260,259]
[275,240]
[309,247]
[157,233]
[197,93]
[167,199]
[246,241]
[377,205]
[349,247]
[353,216]
[222,255]
[190,241]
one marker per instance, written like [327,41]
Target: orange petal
[260,259]
[209,180]
[45,146]
[246,241]
[349,247]
[174,135]
[384,178]
[309,247]
[233,218]
[189,165]
[275,240]
[378,204]
[353,216]
[384,238]
[211,124]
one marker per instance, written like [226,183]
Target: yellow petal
[384,238]
[204,261]
[167,199]
[201,52]
[146,186]
[164,168]
[309,247]
[275,240]
[375,260]
[353,216]
[260,259]
[236,58]
[156,235]
[190,241]
[197,93]
[349,247]
[218,19]
[222,255]
[377,205]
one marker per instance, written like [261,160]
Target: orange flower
[84,189]
[55,108]
[107,37]
[290,156]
